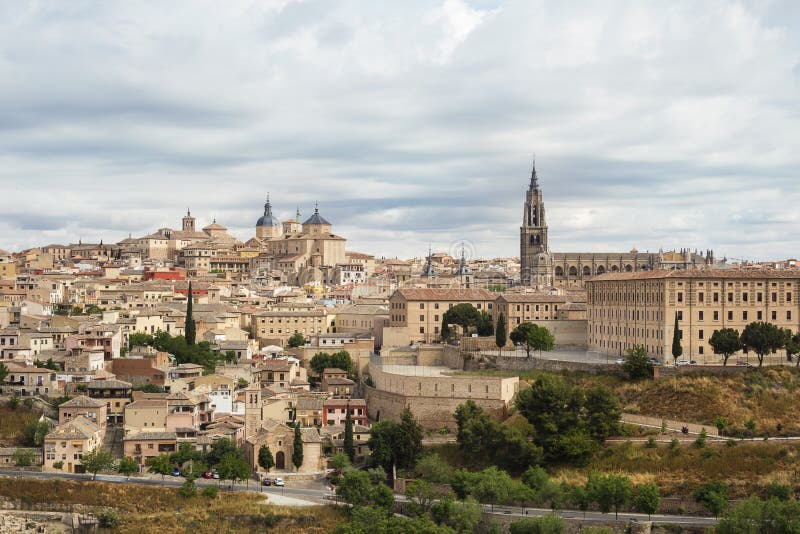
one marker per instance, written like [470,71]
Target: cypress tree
[297,447]
[349,446]
[677,349]
[190,329]
[500,333]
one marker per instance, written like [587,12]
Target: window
[700,349]
[774,297]
[774,316]
[788,315]
[700,315]
[436,306]
[680,297]
[788,297]
[730,316]
[744,316]
[421,305]
[716,297]
[700,334]
[745,296]
[716,316]
[759,316]
[730,297]
[701,297]
[422,318]
[421,329]
[759,297]
[680,316]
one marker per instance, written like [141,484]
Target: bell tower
[536,265]
[188,222]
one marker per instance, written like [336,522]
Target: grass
[12,424]
[767,396]
[145,508]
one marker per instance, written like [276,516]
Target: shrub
[58,465]
[700,442]
[108,519]
[211,492]
[189,488]
[674,444]
[651,443]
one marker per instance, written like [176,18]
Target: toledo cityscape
[434,266]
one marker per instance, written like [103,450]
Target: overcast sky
[655,124]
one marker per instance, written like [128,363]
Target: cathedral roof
[316,218]
[268,219]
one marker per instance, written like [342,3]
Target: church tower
[188,222]
[536,263]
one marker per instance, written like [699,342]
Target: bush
[651,443]
[674,444]
[189,488]
[700,442]
[211,492]
[547,524]
[58,465]
[108,519]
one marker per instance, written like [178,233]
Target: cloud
[411,123]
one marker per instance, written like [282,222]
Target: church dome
[316,219]
[268,219]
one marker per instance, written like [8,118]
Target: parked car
[654,361]
[693,362]
[208,474]
[215,475]
[279,482]
[266,482]
[619,362]
[745,364]
[682,362]
[176,472]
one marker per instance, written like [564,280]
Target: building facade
[627,309]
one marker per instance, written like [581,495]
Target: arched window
[601,270]
[573,271]
[614,268]
[559,271]
[629,268]
[587,271]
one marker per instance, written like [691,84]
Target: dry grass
[13,422]
[149,509]
[745,467]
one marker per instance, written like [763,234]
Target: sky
[413,124]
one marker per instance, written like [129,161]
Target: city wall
[668,371]
[514,363]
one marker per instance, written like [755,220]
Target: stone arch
[587,271]
[628,268]
[573,271]
[601,270]
[559,271]
[614,268]
[280,460]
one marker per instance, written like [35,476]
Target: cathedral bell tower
[536,263]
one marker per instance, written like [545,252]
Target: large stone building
[627,309]
[542,268]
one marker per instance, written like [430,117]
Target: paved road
[321,495]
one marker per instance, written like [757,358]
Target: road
[322,495]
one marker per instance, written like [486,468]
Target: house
[336,383]
[280,440]
[115,393]
[309,410]
[335,411]
[334,436]
[28,380]
[145,445]
[282,372]
[67,443]
[82,406]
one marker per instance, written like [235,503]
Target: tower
[536,263]
[267,226]
[188,222]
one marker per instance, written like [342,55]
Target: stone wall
[418,383]
[675,426]
[513,363]
[667,371]
[433,413]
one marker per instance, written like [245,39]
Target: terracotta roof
[745,274]
[78,428]
[455,295]
[82,401]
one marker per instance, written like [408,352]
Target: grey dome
[268,219]
[316,218]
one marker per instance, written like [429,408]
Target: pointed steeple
[534,179]
[267,207]
[429,270]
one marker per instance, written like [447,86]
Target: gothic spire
[534,179]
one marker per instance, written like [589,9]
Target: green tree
[646,499]
[714,496]
[296,340]
[434,469]
[421,495]
[533,337]
[233,467]
[3,373]
[610,491]
[773,490]
[726,343]
[139,339]
[100,459]
[754,516]
[720,423]
[763,338]
[580,497]
[340,360]
[637,363]
[602,413]
[464,315]
[501,333]
[677,348]
[349,444]
[220,449]
[23,457]
[160,465]
[297,447]
[381,441]
[340,461]
[546,524]
[189,488]
[792,345]
[461,516]
[485,326]
[190,329]
[358,489]
[14,402]
[407,444]
[265,459]
[127,466]
[35,432]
